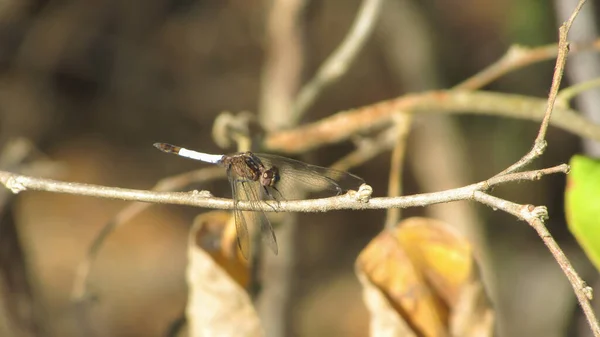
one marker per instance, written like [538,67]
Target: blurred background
[93,84]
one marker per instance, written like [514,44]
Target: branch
[18,183]
[567,94]
[540,144]
[367,149]
[337,64]
[535,217]
[518,57]
[403,123]
[343,125]
[582,290]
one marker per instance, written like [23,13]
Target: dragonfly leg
[268,192]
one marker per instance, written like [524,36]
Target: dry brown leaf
[472,315]
[389,268]
[426,271]
[385,320]
[217,304]
[442,255]
[216,235]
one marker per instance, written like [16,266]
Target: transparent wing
[249,191]
[241,227]
[267,234]
[295,174]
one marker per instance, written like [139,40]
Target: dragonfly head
[269,177]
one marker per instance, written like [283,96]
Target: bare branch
[368,148]
[529,175]
[540,144]
[567,94]
[403,122]
[518,57]
[342,125]
[581,289]
[18,183]
[515,58]
[536,216]
[337,64]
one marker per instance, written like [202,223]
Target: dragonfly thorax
[247,166]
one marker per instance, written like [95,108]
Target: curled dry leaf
[218,304]
[215,234]
[385,320]
[426,273]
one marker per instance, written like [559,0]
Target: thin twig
[367,149]
[581,289]
[528,175]
[540,144]
[403,122]
[343,125]
[536,216]
[18,183]
[341,59]
[583,68]
[516,58]
[567,94]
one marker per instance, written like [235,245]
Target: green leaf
[582,205]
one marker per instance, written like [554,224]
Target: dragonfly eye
[269,177]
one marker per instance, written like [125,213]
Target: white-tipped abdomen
[205,157]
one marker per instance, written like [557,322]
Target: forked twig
[540,144]
[535,216]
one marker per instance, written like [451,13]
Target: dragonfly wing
[249,191]
[243,239]
[295,174]
[267,234]
[241,228]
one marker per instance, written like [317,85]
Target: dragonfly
[258,177]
